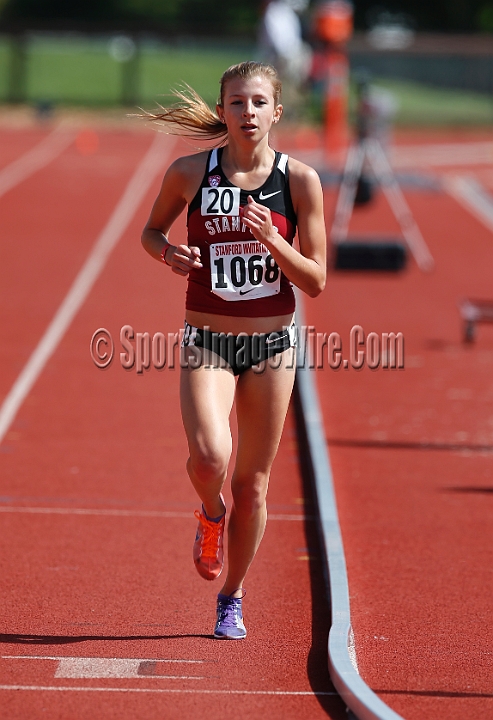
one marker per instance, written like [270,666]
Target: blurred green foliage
[238,16]
[55,10]
[485,17]
[458,16]
[182,17]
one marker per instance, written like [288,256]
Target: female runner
[245,203]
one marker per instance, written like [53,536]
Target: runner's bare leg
[206,395]
[262,401]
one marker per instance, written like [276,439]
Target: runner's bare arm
[179,185]
[307,268]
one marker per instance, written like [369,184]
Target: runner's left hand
[258,218]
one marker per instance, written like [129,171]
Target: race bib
[220,201]
[243,271]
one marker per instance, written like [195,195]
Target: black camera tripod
[367,255]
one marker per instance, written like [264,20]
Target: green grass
[164,69]
[75,70]
[72,73]
[4,60]
[80,71]
[421,105]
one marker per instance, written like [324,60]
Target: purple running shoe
[229,625]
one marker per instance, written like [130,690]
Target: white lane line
[123,213]
[442,154]
[124,513]
[49,148]
[473,196]
[359,698]
[427,155]
[64,657]
[174,691]
[91,511]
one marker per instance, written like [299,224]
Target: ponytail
[191,117]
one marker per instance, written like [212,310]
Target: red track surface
[411,453]
[96,511]
[410,449]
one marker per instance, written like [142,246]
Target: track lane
[101,586]
[36,158]
[45,243]
[411,455]
[16,142]
[424,697]
[94,264]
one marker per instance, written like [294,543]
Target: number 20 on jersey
[220,201]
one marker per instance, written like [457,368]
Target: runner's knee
[208,464]
[249,496]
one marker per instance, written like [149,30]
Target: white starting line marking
[49,148]
[124,513]
[116,668]
[64,688]
[128,668]
[120,218]
[111,668]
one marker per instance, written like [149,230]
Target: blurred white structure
[281,43]
[391,31]
[383,107]
[122,48]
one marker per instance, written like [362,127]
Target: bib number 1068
[242,272]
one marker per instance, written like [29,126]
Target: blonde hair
[191,116]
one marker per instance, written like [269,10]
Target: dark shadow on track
[469,490]
[400,445]
[317,665]
[15,639]
[435,693]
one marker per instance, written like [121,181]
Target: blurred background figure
[280,43]
[376,109]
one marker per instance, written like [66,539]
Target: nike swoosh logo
[244,292]
[264,197]
[270,340]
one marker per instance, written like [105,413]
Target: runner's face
[248,107]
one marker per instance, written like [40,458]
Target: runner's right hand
[183,259]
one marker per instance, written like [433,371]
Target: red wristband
[163,254]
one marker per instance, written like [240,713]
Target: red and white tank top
[239,276]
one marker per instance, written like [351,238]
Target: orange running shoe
[208,546]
